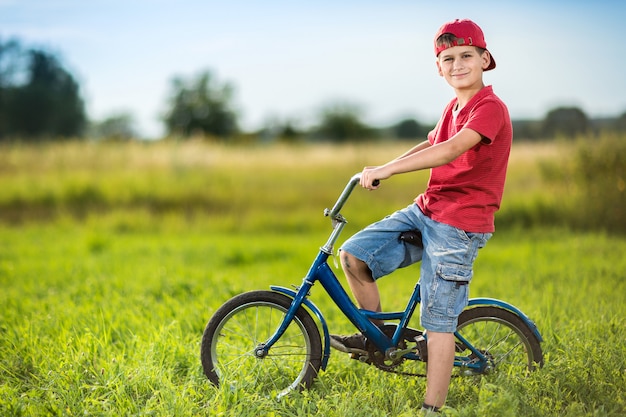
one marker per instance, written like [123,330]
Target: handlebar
[337,219]
[332,213]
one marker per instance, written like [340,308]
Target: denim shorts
[447,261]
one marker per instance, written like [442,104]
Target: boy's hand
[371,177]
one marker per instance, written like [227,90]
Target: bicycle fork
[299,298]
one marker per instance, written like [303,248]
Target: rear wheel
[238,328]
[501,337]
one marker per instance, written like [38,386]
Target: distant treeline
[567,122]
[40,99]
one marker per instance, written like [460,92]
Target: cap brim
[492,64]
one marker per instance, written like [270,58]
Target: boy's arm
[414,149]
[423,156]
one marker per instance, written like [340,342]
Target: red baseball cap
[467,33]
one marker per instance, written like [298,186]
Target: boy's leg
[440,345]
[440,363]
[365,291]
[370,254]
[377,251]
[445,275]
[361,283]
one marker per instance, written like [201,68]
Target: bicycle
[267,340]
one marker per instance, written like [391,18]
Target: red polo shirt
[466,192]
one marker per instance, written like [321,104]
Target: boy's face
[463,66]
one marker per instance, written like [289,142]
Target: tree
[566,121]
[620,123]
[281,130]
[342,122]
[9,59]
[201,106]
[38,97]
[408,129]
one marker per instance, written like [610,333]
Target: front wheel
[237,329]
[500,341]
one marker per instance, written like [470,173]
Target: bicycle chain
[407,373]
[401,372]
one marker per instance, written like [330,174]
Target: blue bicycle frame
[360,318]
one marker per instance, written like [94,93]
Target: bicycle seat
[412,237]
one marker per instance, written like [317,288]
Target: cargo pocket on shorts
[456,273]
[457,278]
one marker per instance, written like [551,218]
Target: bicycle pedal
[422,347]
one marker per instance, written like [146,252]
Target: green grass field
[113,258]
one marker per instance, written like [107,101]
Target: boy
[467,152]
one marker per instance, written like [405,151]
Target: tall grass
[247,188]
[112,259]
[579,185]
[600,169]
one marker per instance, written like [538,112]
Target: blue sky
[289,59]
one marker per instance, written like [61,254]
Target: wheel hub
[260,351]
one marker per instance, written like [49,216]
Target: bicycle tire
[503,337]
[236,330]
